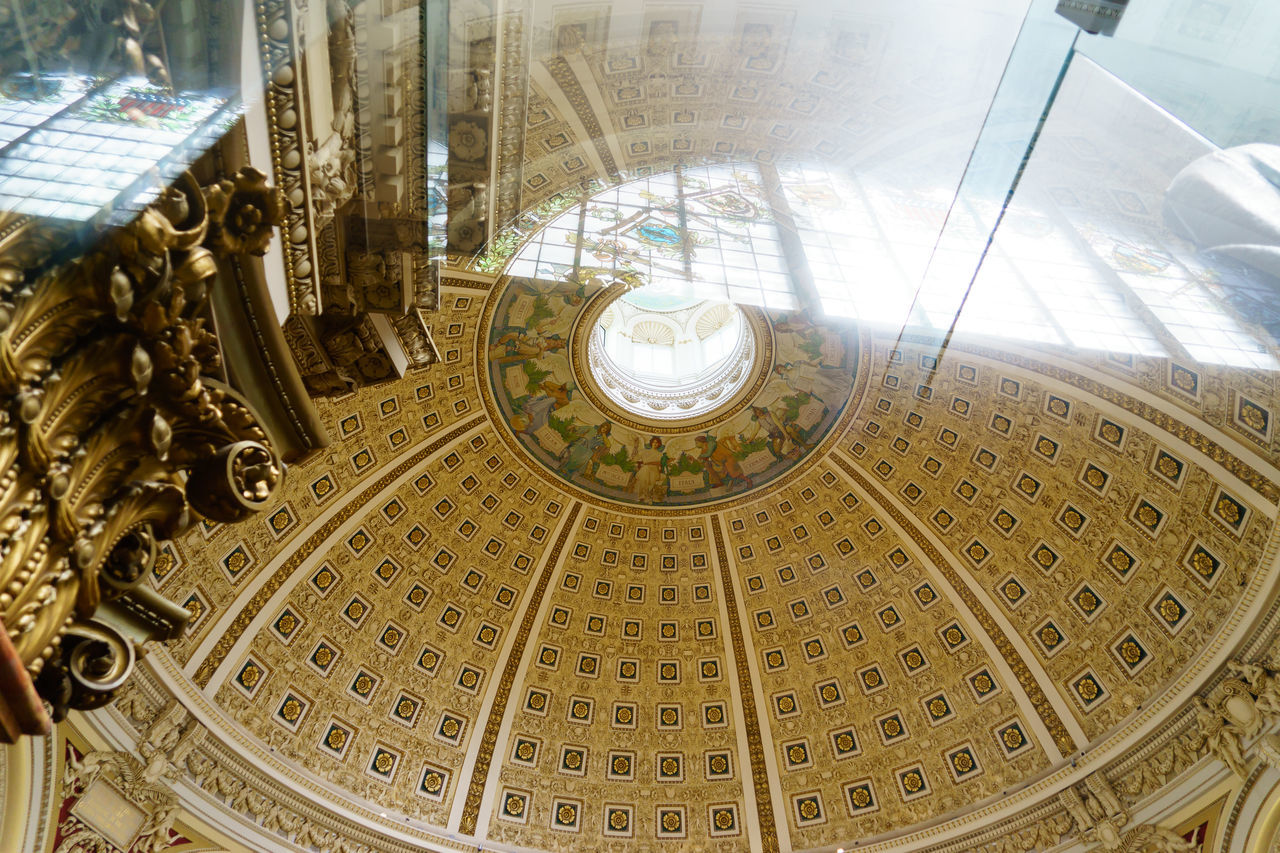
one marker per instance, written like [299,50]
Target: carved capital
[117,424]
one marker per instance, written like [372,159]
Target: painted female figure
[536,411]
[650,484]
[827,385]
[765,420]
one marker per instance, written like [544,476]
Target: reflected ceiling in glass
[878,179]
[1086,257]
[859,170]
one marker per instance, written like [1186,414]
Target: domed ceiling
[474,618]
[994,565]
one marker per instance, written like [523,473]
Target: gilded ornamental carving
[117,423]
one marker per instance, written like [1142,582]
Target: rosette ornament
[243,210]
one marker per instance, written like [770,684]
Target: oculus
[668,357]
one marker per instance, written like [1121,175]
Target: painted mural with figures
[807,386]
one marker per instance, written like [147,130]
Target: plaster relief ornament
[1268,750]
[466,235]
[468,200]
[96,781]
[1147,839]
[1236,711]
[468,140]
[332,161]
[479,92]
[1038,836]
[138,783]
[1101,819]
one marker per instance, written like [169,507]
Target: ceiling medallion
[764,396]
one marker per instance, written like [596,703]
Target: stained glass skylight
[706,232]
[1064,268]
[72,145]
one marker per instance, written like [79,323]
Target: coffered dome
[985,569]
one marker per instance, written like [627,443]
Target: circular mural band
[807,374]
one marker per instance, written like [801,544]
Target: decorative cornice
[282,59]
[512,100]
[466,283]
